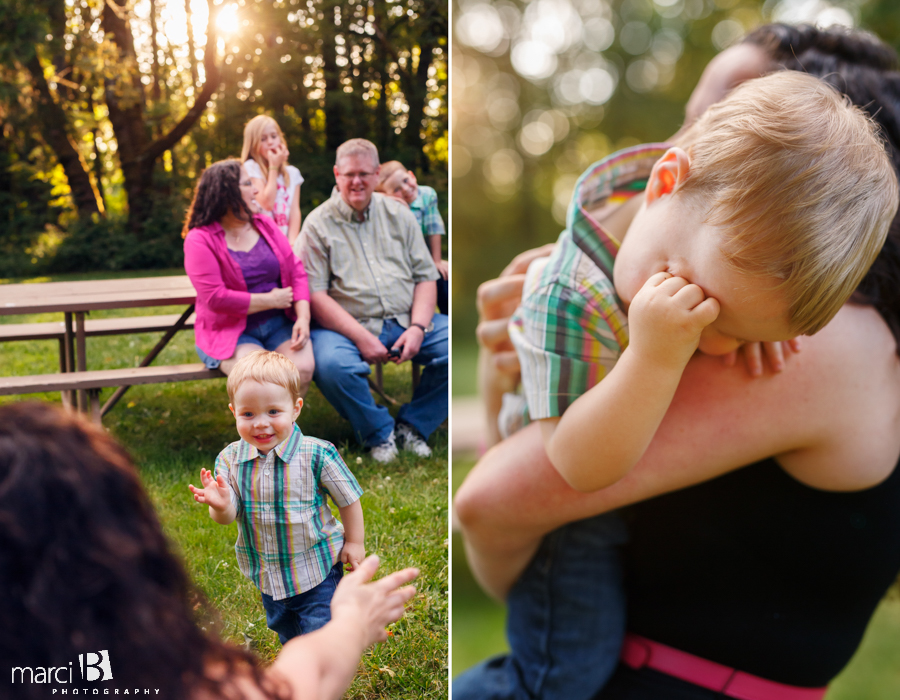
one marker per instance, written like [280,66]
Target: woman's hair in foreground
[85,567]
[866,70]
[217,193]
[265,367]
[799,182]
[253,132]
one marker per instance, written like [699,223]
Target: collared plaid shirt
[288,540]
[570,328]
[425,207]
[369,267]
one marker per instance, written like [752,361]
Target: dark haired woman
[85,568]
[251,288]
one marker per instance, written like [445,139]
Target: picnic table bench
[75,300]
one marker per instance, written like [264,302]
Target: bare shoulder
[845,388]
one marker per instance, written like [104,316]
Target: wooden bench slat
[98,379]
[92,327]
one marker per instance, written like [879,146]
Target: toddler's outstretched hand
[352,555]
[666,317]
[214,492]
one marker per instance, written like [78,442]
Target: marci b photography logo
[92,667]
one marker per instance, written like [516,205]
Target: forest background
[109,112]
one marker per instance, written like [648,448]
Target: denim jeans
[308,611]
[565,620]
[268,335]
[341,375]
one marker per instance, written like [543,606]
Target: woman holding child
[251,288]
[764,525]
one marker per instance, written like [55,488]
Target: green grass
[173,430]
[478,631]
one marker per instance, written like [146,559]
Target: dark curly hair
[864,68]
[84,567]
[217,193]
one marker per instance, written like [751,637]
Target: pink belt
[638,652]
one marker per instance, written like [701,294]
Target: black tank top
[756,571]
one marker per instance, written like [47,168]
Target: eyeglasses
[352,176]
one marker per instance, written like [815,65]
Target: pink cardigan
[222,296]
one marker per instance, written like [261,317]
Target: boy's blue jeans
[308,611]
[565,620]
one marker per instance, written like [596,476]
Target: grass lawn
[478,631]
[172,430]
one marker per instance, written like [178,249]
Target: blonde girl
[264,156]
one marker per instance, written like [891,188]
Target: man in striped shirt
[275,482]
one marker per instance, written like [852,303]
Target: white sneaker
[386,451]
[412,441]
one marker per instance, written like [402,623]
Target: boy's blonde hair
[800,182]
[357,147]
[252,136]
[265,367]
[388,169]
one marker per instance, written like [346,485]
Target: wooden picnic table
[75,299]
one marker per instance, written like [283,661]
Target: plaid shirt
[570,328]
[288,540]
[425,207]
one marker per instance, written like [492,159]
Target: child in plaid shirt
[755,225]
[275,481]
[396,181]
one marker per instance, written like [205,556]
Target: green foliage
[26,205]
[386,81]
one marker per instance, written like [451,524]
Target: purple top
[261,273]
[222,296]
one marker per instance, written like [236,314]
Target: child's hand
[775,354]
[214,493]
[666,317]
[277,156]
[352,555]
[444,268]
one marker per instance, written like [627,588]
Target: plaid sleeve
[432,223]
[567,340]
[224,463]
[334,475]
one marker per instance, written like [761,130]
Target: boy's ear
[231,408]
[297,407]
[669,172]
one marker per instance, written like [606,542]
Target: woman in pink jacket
[251,288]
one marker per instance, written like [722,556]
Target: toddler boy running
[275,481]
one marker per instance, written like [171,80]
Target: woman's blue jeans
[342,377]
[565,620]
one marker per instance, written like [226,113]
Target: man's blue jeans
[565,620]
[341,375]
[305,612]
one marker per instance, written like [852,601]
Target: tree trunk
[191,49]
[52,121]
[125,105]
[335,128]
